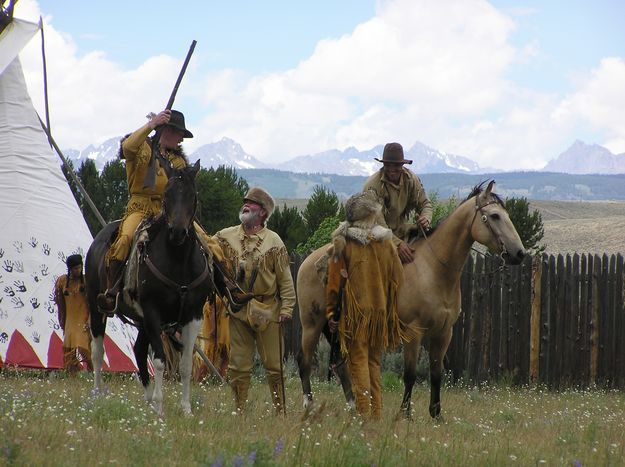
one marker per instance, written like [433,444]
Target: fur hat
[394,153]
[73,260]
[361,206]
[260,196]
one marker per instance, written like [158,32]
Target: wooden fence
[556,320]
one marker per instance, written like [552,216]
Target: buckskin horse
[428,302]
[167,290]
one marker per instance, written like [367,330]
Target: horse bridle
[181,289]
[484,218]
[164,211]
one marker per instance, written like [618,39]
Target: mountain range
[580,158]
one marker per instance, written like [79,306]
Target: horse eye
[495,217]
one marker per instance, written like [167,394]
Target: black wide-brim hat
[393,153]
[177,121]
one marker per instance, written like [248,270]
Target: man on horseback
[146,201]
[400,192]
[364,273]
[262,264]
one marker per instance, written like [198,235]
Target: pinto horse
[171,285]
[428,301]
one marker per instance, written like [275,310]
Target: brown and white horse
[429,298]
[172,284]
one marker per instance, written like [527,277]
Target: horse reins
[181,289]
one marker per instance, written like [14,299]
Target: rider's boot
[228,289]
[107,301]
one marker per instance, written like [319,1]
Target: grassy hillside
[532,185]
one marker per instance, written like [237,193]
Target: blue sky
[510,84]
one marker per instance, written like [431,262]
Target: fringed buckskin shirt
[137,152]
[399,200]
[265,250]
[369,297]
[73,312]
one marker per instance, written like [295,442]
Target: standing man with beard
[260,262]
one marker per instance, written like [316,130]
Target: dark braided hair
[71,261]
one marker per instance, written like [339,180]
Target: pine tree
[90,179]
[289,225]
[323,203]
[528,225]
[220,197]
[115,189]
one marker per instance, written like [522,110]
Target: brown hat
[260,196]
[177,121]
[394,153]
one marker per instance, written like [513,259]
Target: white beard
[249,218]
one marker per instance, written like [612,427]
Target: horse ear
[489,188]
[196,168]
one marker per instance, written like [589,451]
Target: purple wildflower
[219,462]
[277,449]
[251,458]
[237,461]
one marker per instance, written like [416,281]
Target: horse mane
[479,188]
[475,191]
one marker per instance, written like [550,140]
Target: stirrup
[106,312]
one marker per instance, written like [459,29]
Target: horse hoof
[97,392]
[158,409]
[435,410]
[308,402]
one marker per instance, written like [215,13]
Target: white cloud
[393,78]
[430,70]
[91,98]
[600,102]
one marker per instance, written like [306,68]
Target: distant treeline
[531,185]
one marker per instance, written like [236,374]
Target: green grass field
[49,419]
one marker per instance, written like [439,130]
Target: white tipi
[40,225]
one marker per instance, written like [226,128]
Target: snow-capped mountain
[347,162]
[100,154]
[354,162]
[582,158]
[351,161]
[226,152]
[428,160]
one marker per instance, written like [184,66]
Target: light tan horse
[429,298]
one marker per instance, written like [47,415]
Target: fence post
[536,289]
[594,325]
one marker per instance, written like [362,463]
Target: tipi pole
[45,80]
[70,171]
